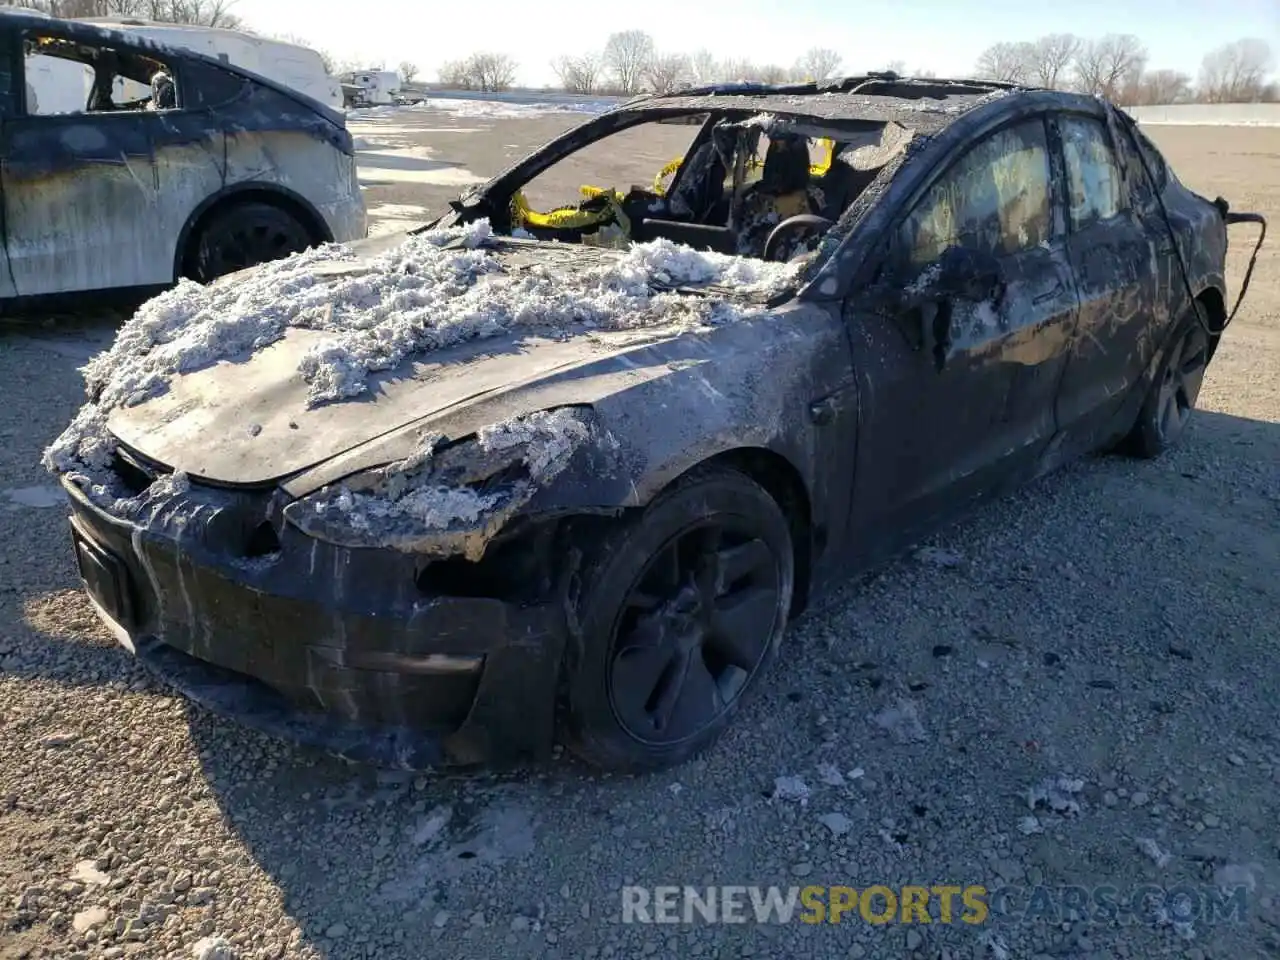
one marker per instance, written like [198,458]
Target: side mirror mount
[961,273]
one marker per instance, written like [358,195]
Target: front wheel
[681,610]
[1167,409]
[245,236]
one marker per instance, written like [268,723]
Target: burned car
[129,164]
[445,497]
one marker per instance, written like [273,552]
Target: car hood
[245,421]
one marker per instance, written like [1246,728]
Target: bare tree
[896,66]
[409,71]
[578,74]
[1111,66]
[627,56]
[818,63]
[667,72]
[208,13]
[772,73]
[1051,57]
[1007,62]
[1237,72]
[737,71]
[455,74]
[332,66]
[491,72]
[703,67]
[1163,86]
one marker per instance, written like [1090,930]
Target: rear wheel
[1172,398]
[681,611]
[245,236]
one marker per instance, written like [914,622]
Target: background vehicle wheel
[681,610]
[1167,409]
[245,236]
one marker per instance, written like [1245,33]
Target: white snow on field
[485,109]
[1209,123]
[388,218]
[437,289]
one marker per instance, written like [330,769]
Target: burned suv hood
[245,421]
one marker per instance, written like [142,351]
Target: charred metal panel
[661,408]
[101,200]
[341,649]
[81,197]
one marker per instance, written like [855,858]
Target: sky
[944,36]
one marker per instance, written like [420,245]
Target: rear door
[932,439]
[1116,259]
[10,98]
[83,203]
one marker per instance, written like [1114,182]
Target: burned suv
[129,164]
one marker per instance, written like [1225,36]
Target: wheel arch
[239,194]
[1214,303]
[782,481]
[785,484]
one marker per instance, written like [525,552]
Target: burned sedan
[129,164]
[446,497]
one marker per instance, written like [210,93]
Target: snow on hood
[436,289]
[429,503]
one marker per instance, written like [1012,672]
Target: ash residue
[424,503]
[437,289]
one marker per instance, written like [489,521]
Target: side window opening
[1093,176]
[996,200]
[68,77]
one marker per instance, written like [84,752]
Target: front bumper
[333,647]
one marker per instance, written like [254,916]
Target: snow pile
[419,504]
[1057,794]
[438,288]
[546,440]
[792,789]
[507,109]
[494,107]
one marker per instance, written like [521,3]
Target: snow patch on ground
[38,498]
[1057,794]
[497,109]
[437,289]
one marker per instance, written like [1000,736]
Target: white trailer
[374,87]
[297,67]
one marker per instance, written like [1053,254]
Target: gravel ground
[1110,629]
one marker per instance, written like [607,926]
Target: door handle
[1048,295]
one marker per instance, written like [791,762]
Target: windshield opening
[759,187]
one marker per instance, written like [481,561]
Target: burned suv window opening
[1093,177]
[996,199]
[64,77]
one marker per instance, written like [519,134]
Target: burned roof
[83,31]
[923,104]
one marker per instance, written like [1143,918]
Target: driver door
[81,188]
[942,427]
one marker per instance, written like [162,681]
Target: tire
[244,236]
[671,641]
[1169,403]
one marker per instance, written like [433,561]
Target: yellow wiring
[574,218]
[570,218]
[815,170]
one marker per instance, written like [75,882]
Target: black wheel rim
[693,631]
[252,242]
[1183,375]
